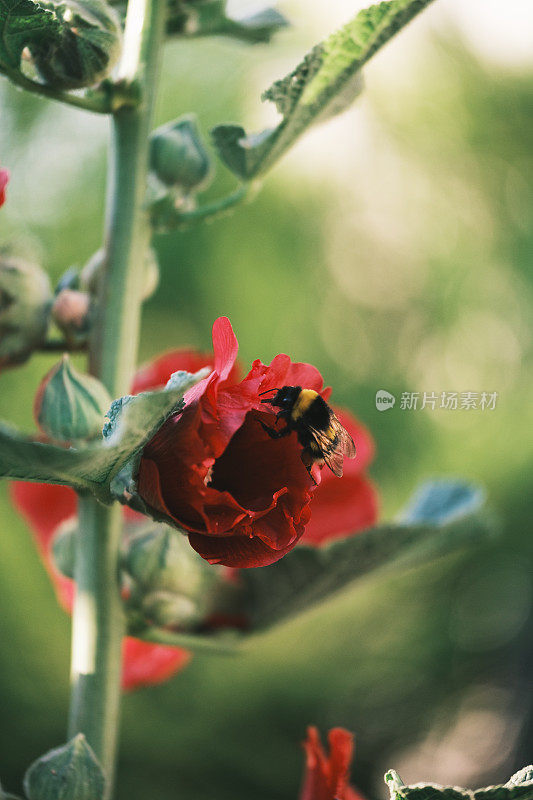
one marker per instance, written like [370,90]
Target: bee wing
[345,443]
[334,445]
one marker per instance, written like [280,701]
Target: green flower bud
[94,268]
[70,772]
[85,48]
[167,609]
[178,157]
[72,313]
[64,548]
[161,558]
[25,301]
[69,405]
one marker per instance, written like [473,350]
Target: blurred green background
[393,250]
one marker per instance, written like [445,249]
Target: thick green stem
[98,623]
[97,630]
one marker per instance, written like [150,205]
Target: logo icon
[384,400]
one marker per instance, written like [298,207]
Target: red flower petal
[341,507]
[225,347]
[155,374]
[146,664]
[4,179]
[236,551]
[326,777]
[44,506]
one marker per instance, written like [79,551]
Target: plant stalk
[98,619]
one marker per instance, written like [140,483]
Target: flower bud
[168,609]
[172,586]
[25,301]
[71,312]
[93,269]
[178,156]
[69,405]
[161,558]
[70,772]
[85,48]
[64,547]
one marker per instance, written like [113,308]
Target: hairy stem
[98,623]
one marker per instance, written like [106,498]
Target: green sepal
[518,787]
[178,156]
[25,303]
[70,772]
[323,85]
[71,405]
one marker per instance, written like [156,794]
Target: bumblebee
[320,433]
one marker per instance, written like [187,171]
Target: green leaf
[208,18]
[133,420]
[70,772]
[23,23]
[310,574]
[324,84]
[74,43]
[518,787]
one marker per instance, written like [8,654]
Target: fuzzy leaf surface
[132,422]
[23,23]
[324,84]
[518,787]
[308,575]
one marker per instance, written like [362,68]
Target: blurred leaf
[309,574]
[323,85]
[132,422]
[208,18]
[70,772]
[518,787]
[441,501]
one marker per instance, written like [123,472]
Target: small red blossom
[243,497]
[327,777]
[4,180]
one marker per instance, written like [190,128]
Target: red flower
[245,498]
[4,179]
[327,777]
[340,506]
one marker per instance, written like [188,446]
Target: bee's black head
[284,398]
